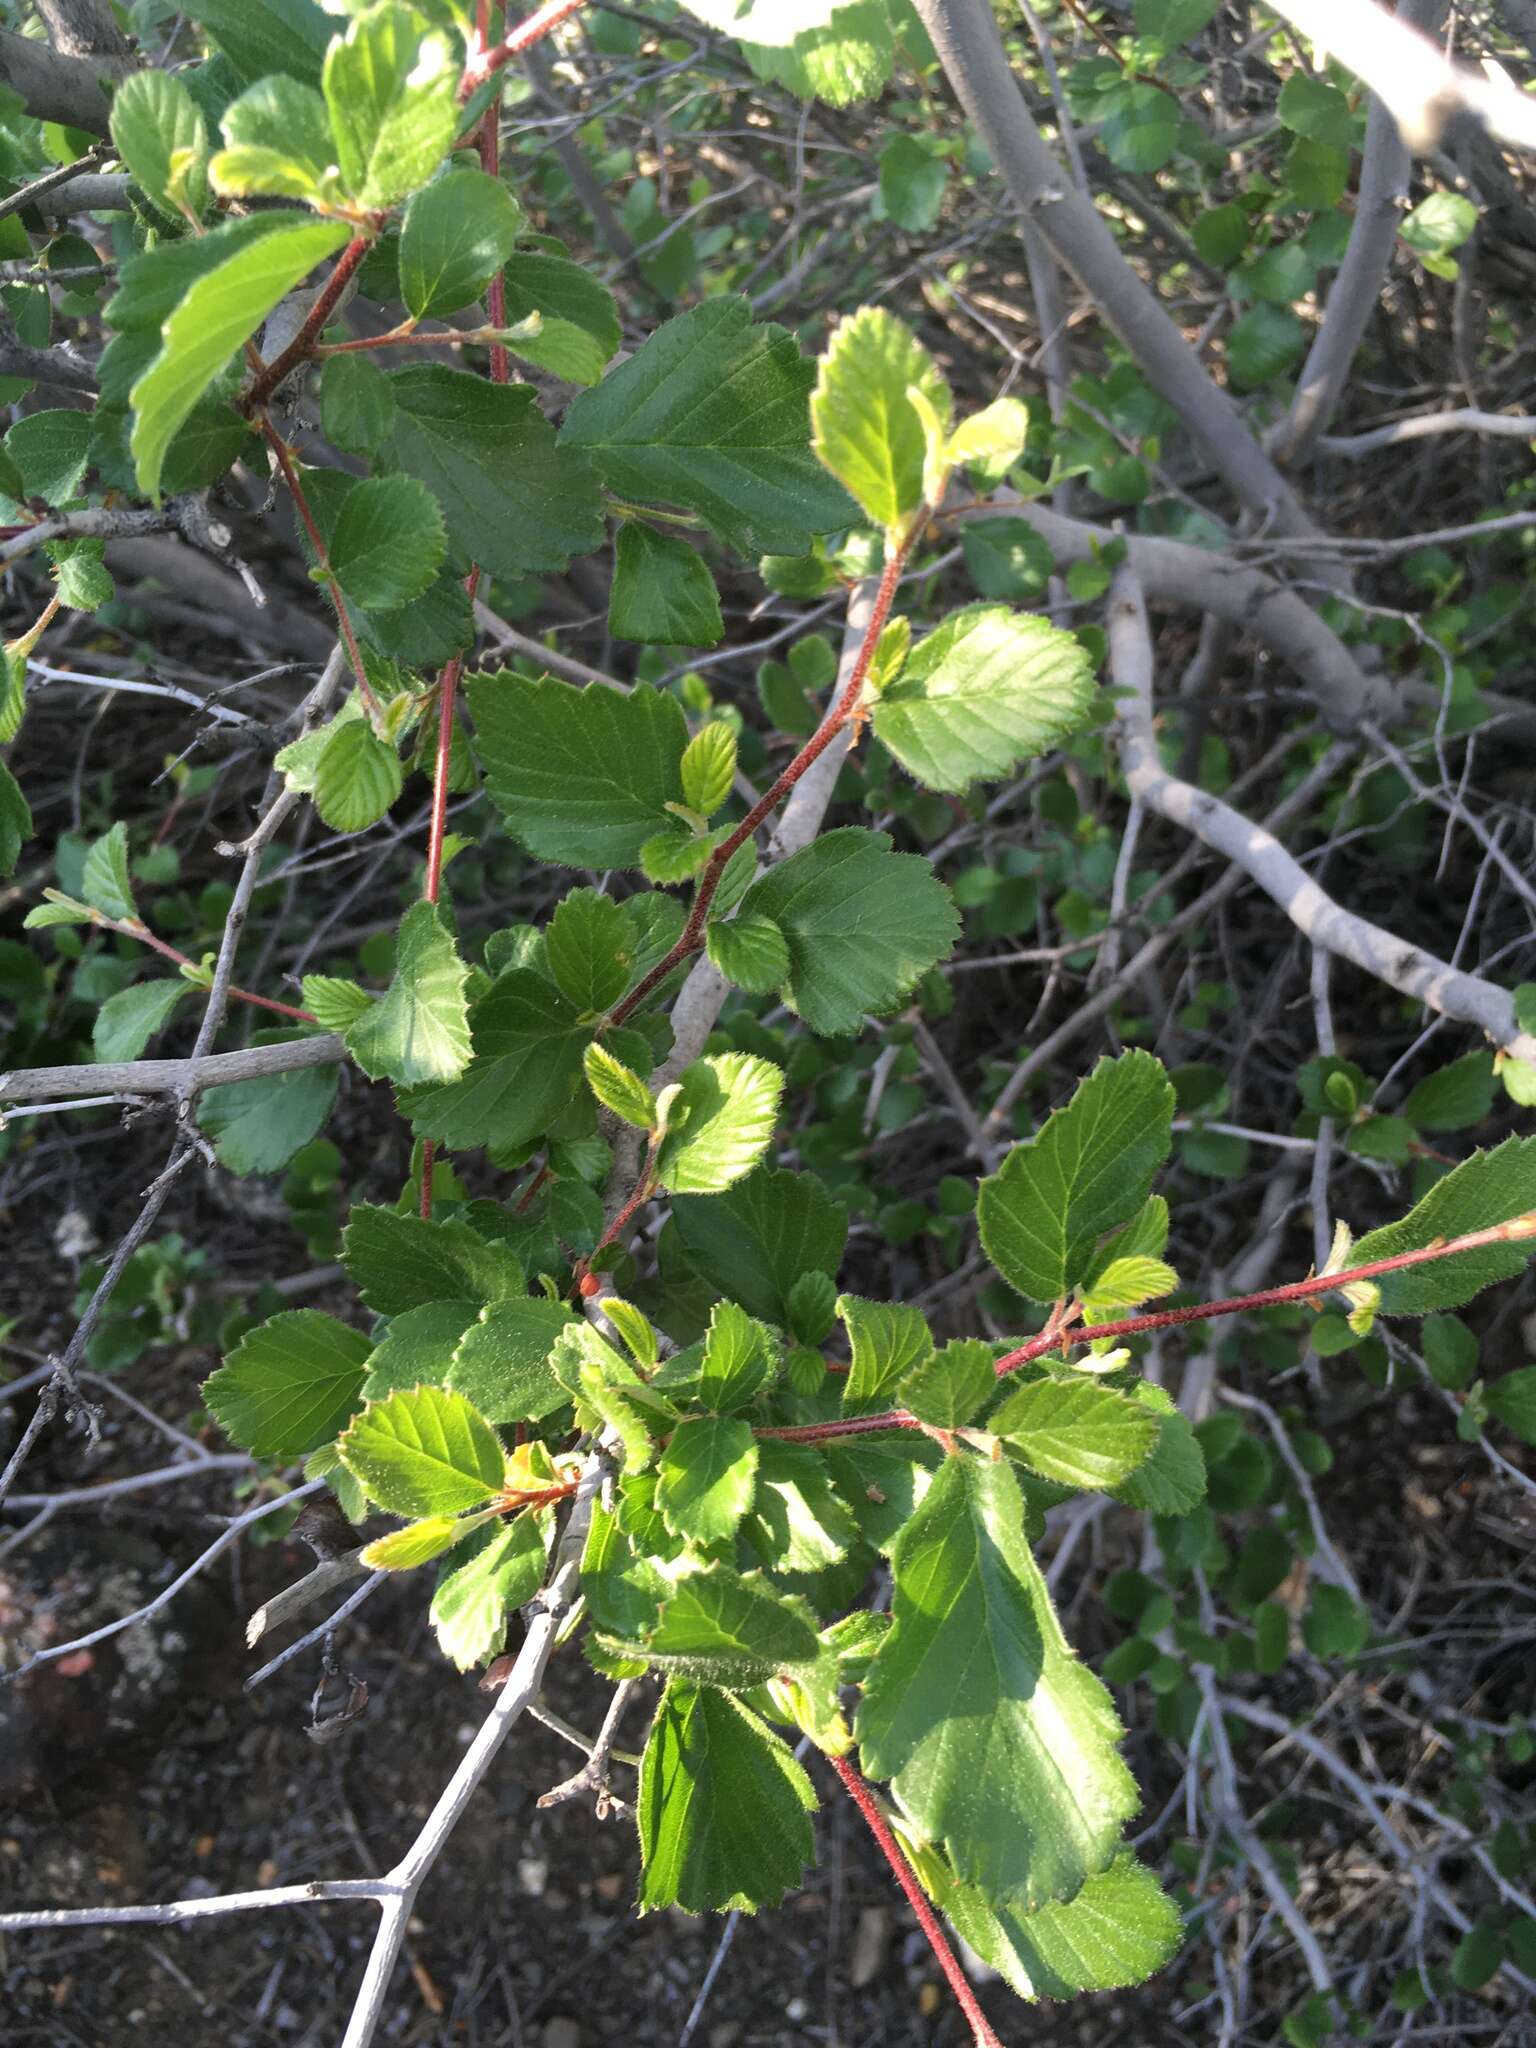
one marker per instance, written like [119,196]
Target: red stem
[864,1799]
[709,881]
[266,381]
[146,937]
[1163,1319]
[286,464]
[486,63]
[644,1189]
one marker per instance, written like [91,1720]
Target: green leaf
[709,415]
[1336,1625]
[159,134]
[51,450]
[862,925]
[15,825]
[457,233]
[392,92]
[751,951]
[13,693]
[104,881]
[729,1630]
[850,59]
[797,1522]
[402,1550]
[1006,558]
[1478,1954]
[357,776]
[1488,1189]
[357,404]
[996,434]
[1221,234]
[417,1347]
[398,1261]
[278,140]
[913,178]
[1173,22]
[950,1389]
[1264,342]
[723,1810]
[996,1741]
[720,1123]
[866,430]
[1119,1930]
[388,542]
[989,689]
[1076,1431]
[566,294]
[705,1478]
[581,776]
[662,592]
[1088,1169]
[418,1030]
[559,346]
[126,1022]
[258,36]
[772,23]
[754,1243]
[709,768]
[526,1069]
[1140,130]
[886,1340]
[619,1089]
[220,311]
[1172,1480]
[84,583]
[426,1452]
[1310,106]
[1456,1097]
[502,1361]
[487,454]
[334,1003]
[289,1385]
[1512,1400]
[735,1362]
[258,1125]
[479,1593]
[589,945]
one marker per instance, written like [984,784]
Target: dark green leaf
[398,1261]
[1488,1189]
[662,592]
[501,1362]
[706,1477]
[458,231]
[525,1070]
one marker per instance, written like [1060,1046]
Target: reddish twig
[267,380]
[131,928]
[286,463]
[864,1799]
[1058,1338]
[692,936]
[485,63]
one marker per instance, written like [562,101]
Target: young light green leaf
[219,312]
[754,1243]
[589,946]
[709,768]
[402,1550]
[663,593]
[418,1030]
[865,428]
[1088,1169]
[398,1261]
[1127,1283]
[709,415]
[457,233]
[289,1385]
[581,776]
[501,1362]
[705,1478]
[426,1452]
[357,776]
[357,404]
[126,1022]
[886,1339]
[736,1359]
[1488,1189]
[618,1088]
[751,951]
[559,346]
[479,1593]
[334,1003]
[392,92]
[528,1043]
[487,454]
[104,881]
[159,134]
[258,1125]
[388,542]
[278,140]
[997,1742]
[720,1123]
[987,690]
[1119,1930]
[862,925]
[724,1809]
[1075,1431]
[995,434]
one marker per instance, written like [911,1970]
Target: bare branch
[55,87]
[170,1077]
[1424,426]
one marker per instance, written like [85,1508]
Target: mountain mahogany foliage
[772,1447]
